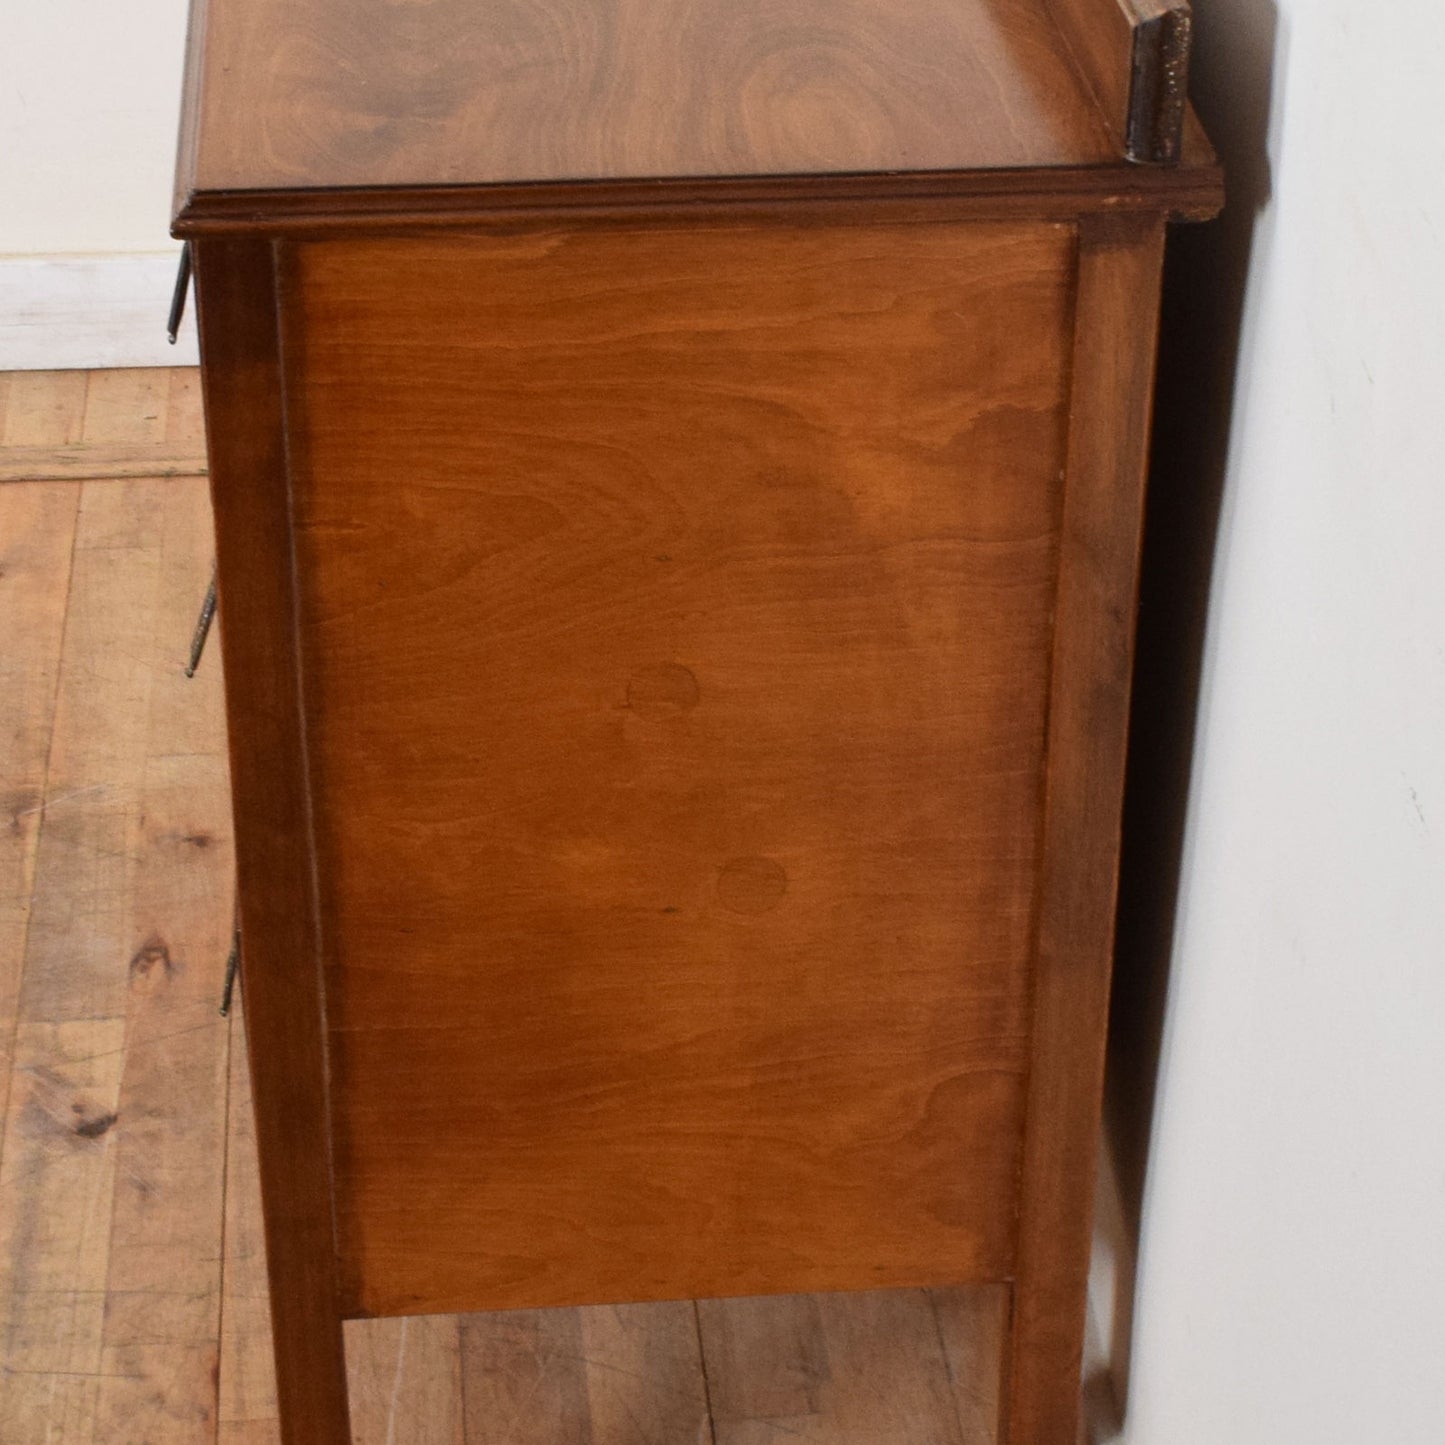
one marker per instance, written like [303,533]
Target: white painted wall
[1291,1284]
[88,113]
[89,100]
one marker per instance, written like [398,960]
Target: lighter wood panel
[79,925]
[102,463]
[77,425]
[379,94]
[831,1368]
[37,537]
[868,1369]
[676,670]
[126,405]
[45,408]
[57,1175]
[56,1182]
[247,1408]
[767,1358]
[601,1376]
[185,419]
[110,1198]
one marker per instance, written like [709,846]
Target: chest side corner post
[1115,327]
[238,303]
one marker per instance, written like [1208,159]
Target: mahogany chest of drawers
[678,472]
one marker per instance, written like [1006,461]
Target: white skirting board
[60,313]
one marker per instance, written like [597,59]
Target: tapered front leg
[282,970]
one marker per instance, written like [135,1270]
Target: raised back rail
[1134,56]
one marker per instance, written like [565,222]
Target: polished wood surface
[312,94]
[689,955]
[130,1150]
[274,849]
[1116,319]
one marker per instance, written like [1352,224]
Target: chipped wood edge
[1158,86]
[1132,57]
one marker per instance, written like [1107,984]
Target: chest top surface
[318,94]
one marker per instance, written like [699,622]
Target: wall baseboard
[61,313]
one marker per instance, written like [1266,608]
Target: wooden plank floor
[132,1277]
[101,424]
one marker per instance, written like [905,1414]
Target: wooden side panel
[276,874]
[1117,315]
[675,618]
[1134,57]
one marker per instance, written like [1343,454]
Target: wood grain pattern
[1113,372]
[249,489]
[55,1187]
[246,1411]
[45,408]
[315,94]
[185,412]
[406,1382]
[101,463]
[767,1358]
[678,669]
[159,1341]
[973,1327]
[611,1375]
[126,405]
[867,1367]
[78,426]
[109,1196]
[37,539]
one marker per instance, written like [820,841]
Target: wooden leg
[1116,312]
[281,967]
